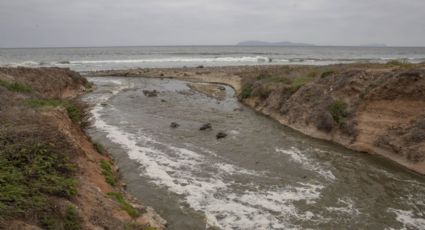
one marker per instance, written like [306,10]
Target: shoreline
[356,132]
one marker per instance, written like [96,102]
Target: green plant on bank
[338,110]
[403,63]
[72,220]
[74,113]
[263,75]
[107,171]
[327,73]
[29,174]
[124,204]
[15,86]
[99,148]
[299,82]
[246,91]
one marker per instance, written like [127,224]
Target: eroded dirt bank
[378,109]
[51,175]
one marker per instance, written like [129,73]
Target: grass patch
[99,148]
[403,63]
[124,204]
[74,112]
[107,171]
[299,82]
[15,86]
[29,174]
[72,220]
[338,110]
[246,92]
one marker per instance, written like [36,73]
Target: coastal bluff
[52,176]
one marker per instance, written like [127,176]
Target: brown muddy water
[261,176]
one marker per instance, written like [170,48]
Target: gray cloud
[201,22]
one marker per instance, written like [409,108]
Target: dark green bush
[338,110]
[246,92]
[72,220]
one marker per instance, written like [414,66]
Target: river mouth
[261,176]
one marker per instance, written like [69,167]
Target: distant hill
[374,45]
[263,43]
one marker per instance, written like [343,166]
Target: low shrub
[99,148]
[30,172]
[72,220]
[246,92]
[338,110]
[15,86]
[327,74]
[108,172]
[124,204]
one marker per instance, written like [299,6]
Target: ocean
[104,58]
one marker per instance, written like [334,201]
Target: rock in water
[205,126]
[150,93]
[221,135]
[174,125]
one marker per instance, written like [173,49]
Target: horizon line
[234,45]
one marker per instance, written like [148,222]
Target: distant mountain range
[263,43]
[286,43]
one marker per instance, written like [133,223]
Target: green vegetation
[338,110]
[15,86]
[403,63]
[327,74]
[74,112]
[30,173]
[246,91]
[124,204]
[263,75]
[72,220]
[99,148]
[107,171]
[302,80]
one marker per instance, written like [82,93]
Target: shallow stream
[261,176]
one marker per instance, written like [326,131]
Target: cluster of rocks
[206,126]
[150,93]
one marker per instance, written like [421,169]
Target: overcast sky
[41,23]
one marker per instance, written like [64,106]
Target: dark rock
[221,135]
[174,125]
[162,100]
[200,67]
[150,93]
[205,126]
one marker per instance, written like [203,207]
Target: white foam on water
[408,219]
[180,171]
[346,206]
[297,156]
[176,59]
